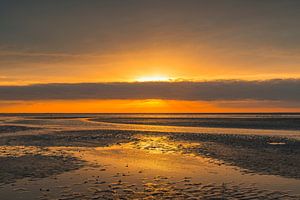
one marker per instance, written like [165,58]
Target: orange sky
[140,106]
[177,64]
[125,41]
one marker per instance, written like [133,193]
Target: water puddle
[151,167]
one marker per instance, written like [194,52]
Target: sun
[153,78]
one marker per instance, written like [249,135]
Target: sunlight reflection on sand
[75,159]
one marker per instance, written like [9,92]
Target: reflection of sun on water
[161,144]
[148,152]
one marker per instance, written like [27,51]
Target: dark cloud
[277,90]
[97,26]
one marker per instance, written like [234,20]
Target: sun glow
[153,78]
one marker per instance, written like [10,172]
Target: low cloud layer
[278,90]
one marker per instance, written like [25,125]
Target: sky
[103,56]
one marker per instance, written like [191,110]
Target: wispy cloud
[277,90]
[49,54]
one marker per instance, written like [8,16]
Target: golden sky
[127,41]
[142,106]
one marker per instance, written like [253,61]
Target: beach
[150,100]
[130,156]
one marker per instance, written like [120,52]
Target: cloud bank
[279,89]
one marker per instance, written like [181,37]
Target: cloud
[276,90]
[260,104]
[50,54]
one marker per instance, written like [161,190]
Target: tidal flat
[52,157]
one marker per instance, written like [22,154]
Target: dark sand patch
[39,122]
[35,166]
[259,154]
[11,129]
[85,138]
[289,123]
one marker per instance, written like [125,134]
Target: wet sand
[250,122]
[58,162]
[13,129]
